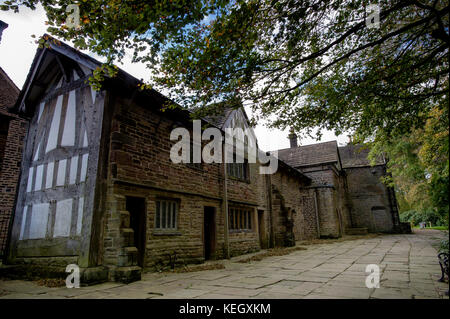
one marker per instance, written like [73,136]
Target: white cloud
[17,48]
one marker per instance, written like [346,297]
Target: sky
[17,50]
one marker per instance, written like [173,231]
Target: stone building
[98,187]
[12,133]
[373,205]
[348,190]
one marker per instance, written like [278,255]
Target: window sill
[166,233]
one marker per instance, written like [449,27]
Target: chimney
[3,26]
[293,138]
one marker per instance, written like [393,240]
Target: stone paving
[408,265]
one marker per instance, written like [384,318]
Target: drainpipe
[316,208]
[225,207]
[269,198]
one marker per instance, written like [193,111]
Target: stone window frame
[240,219]
[170,218]
[242,174]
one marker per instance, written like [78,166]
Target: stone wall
[12,133]
[342,201]
[330,204]
[139,165]
[293,209]
[329,222]
[371,206]
[308,218]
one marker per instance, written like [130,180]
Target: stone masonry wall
[342,204]
[328,218]
[298,212]
[309,229]
[327,185]
[139,165]
[370,200]
[13,139]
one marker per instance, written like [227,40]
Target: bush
[428,215]
[408,217]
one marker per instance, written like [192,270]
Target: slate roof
[219,115]
[355,155]
[307,155]
[8,91]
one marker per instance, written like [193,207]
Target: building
[12,134]
[98,187]
[349,192]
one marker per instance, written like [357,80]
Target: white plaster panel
[63,218]
[49,179]
[54,128]
[39,219]
[24,221]
[61,178]
[80,214]
[39,176]
[30,180]
[94,94]
[36,154]
[41,109]
[73,170]
[68,136]
[84,163]
[85,139]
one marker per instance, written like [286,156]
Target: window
[166,214]
[238,170]
[240,218]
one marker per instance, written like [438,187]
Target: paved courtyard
[408,266]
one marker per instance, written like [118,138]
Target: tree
[419,168]
[297,63]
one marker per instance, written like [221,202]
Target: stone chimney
[293,139]
[3,26]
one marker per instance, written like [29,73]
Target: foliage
[417,217]
[301,63]
[297,63]
[419,167]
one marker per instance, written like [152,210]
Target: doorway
[209,232]
[136,208]
[262,229]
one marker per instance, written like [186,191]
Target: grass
[270,253]
[197,268]
[51,282]
[433,227]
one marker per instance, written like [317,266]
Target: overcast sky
[17,50]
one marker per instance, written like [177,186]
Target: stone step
[128,256]
[356,231]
